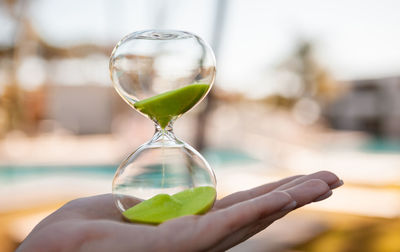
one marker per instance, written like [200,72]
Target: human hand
[95,224]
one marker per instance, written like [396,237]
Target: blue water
[11,172]
[381,145]
[217,158]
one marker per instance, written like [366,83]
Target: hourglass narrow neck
[164,137]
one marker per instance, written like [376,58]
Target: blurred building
[372,106]
[81,109]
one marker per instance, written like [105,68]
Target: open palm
[95,224]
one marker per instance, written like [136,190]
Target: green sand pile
[166,106]
[163,207]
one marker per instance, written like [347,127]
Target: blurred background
[301,86]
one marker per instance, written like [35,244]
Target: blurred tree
[20,109]
[11,104]
[307,79]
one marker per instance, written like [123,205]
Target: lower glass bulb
[163,179]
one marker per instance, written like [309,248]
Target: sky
[353,39]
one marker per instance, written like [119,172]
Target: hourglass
[162,74]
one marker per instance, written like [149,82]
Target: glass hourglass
[163,74]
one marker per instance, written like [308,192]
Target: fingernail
[323,196]
[337,184]
[290,206]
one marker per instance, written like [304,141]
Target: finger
[304,193]
[218,225]
[308,191]
[251,193]
[315,185]
[330,178]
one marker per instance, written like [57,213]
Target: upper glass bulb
[162,73]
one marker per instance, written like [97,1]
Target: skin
[95,224]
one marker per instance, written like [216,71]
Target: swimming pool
[217,158]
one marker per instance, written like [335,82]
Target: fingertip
[327,176]
[318,184]
[308,191]
[337,184]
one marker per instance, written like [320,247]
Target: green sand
[166,106]
[163,207]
